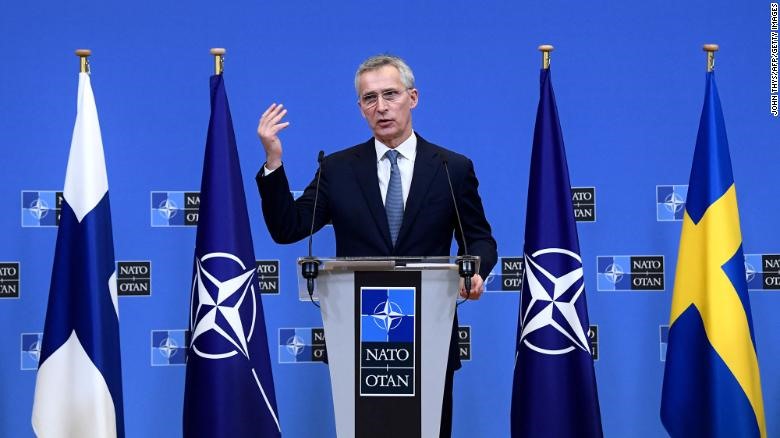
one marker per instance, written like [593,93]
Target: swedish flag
[711,383]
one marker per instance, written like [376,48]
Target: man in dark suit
[386,197]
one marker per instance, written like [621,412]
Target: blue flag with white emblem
[78,389]
[554,391]
[712,385]
[229,387]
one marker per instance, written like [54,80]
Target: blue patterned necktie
[394,202]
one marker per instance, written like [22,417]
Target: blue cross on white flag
[78,391]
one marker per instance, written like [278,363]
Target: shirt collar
[407,149]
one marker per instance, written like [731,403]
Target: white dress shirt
[407,152]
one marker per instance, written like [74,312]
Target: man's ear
[415,96]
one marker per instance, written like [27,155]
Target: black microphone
[466,263]
[310,267]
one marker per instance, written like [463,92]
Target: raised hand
[268,131]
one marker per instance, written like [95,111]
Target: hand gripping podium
[388,323]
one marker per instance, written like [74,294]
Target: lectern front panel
[387,354]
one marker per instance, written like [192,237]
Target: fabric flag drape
[78,389]
[229,387]
[554,391]
[711,382]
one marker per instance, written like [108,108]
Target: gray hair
[379,61]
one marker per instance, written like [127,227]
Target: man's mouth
[384,122]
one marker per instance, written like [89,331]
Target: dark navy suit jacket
[350,199]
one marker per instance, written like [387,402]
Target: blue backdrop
[629,80]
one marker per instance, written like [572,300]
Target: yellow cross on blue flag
[711,383]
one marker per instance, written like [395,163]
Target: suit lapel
[366,174]
[426,166]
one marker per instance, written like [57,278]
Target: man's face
[386,104]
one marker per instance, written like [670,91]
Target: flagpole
[219,59]
[710,49]
[223,243]
[84,55]
[546,49]
[552,245]
[78,389]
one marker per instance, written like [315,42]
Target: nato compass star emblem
[551,312]
[295,345]
[220,328]
[387,315]
[674,202]
[168,347]
[35,350]
[750,272]
[614,273]
[490,279]
[167,208]
[39,208]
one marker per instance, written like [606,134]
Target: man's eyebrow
[380,91]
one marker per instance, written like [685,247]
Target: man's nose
[381,104]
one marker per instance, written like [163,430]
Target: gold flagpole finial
[710,49]
[546,49]
[219,59]
[84,54]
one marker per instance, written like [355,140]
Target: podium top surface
[385,263]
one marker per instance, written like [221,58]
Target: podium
[387,323]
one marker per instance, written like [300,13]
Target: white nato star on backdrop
[614,273]
[544,317]
[750,272]
[295,345]
[39,208]
[674,202]
[234,332]
[35,350]
[168,347]
[167,209]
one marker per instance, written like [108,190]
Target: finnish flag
[78,391]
